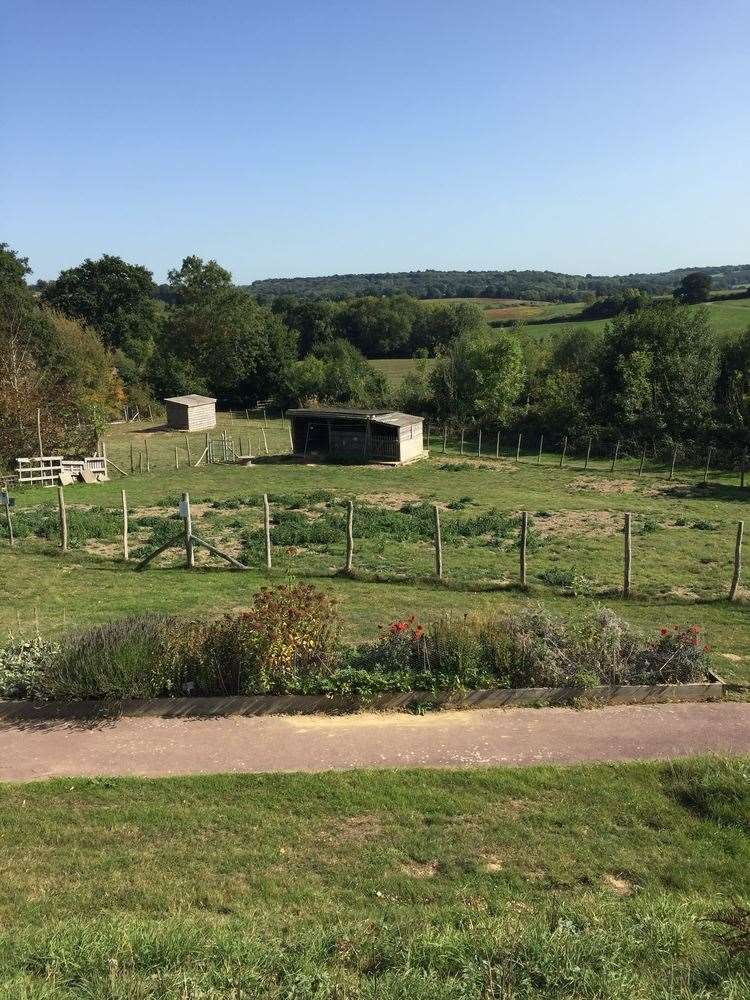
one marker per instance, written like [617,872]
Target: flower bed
[289,643]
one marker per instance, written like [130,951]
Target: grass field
[727,317]
[592,882]
[683,539]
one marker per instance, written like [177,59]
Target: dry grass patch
[589,484]
[420,869]
[578,523]
[619,886]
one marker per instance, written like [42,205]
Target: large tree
[114,297]
[51,363]
[219,340]
[479,377]
[657,372]
[694,288]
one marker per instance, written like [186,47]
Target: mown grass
[682,562]
[591,881]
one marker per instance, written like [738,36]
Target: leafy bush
[678,656]
[134,657]
[23,662]
[570,580]
[287,642]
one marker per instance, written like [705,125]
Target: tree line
[103,334]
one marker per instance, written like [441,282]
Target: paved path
[490,737]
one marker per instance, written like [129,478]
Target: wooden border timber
[293,704]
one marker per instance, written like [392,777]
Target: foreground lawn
[592,881]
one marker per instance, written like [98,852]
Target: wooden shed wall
[191,418]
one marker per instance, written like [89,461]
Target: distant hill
[550,286]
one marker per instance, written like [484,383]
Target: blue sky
[289,138]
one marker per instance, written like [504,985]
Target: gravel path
[484,738]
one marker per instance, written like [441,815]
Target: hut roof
[390,417]
[191,400]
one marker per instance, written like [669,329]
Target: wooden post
[541,444]
[104,456]
[588,455]
[63,518]
[438,543]
[428,435]
[265,418]
[737,561]
[708,463]
[564,449]
[189,548]
[267,529]
[742,469]
[627,531]
[39,431]
[674,459]
[6,504]
[518,449]
[462,440]
[150,413]
[148,459]
[247,416]
[140,461]
[497,445]
[614,457]
[125,542]
[349,536]
[187,445]
[265,440]
[643,459]
[208,450]
[132,466]
[445,437]
[176,458]
[479,444]
[291,439]
[522,547]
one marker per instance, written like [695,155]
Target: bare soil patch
[420,869]
[590,484]
[620,886]
[578,522]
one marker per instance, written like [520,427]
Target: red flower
[664,631]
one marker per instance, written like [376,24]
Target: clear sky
[299,137]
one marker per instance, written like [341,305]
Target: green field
[596,881]
[727,317]
[682,563]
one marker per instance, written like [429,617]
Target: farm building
[191,413]
[350,435]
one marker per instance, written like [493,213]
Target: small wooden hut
[357,435]
[191,413]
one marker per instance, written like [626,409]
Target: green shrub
[287,642]
[703,525]
[23,663]
[570,580]
[134,657]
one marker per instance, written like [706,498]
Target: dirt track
[485,738]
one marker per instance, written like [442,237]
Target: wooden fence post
[125,542]
[518,449]
[291,440]
[479,444]
[674,459]
[737,561]
[628,553]
[148,459]
[176,458]
[189,548]
[63,518]
[462,440]
[140,461]
[541,444]
[187,445]
[522,546]
[132,466]
[564,450]
[614,457]
[39,431]
[265,441]
[588,456]
[497,445]
[708,463]
[438,543]
[643,459]
[445,437]
[267,529]
[6,504]
[349,536]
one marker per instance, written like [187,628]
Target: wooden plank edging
[297,704]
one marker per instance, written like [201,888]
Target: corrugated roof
[191,400]
[389,417]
